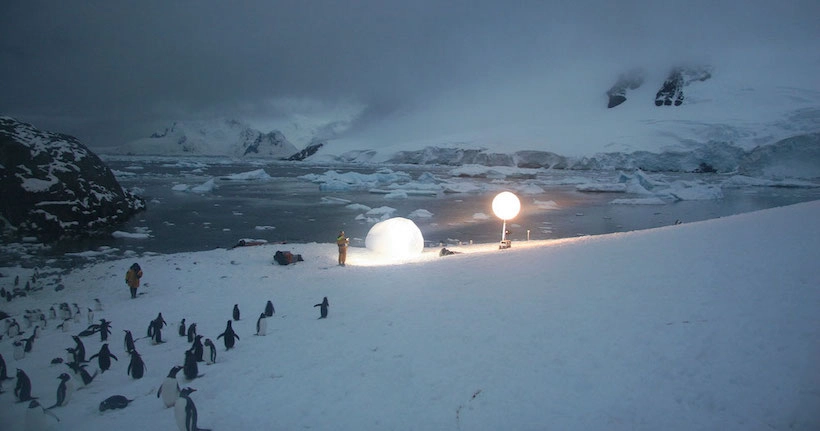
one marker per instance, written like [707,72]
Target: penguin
[190,368]
[64,390]
[156,337]
[13,329]
[191,332]
[43,320]
[80,370]
[79,350]
[104,358]
[76,313]
[182,328]
[105,329]
[197,348]
[36,417]
[129,341]
[3,370]
[269,311]
[211,351]
[66,325]
[29,342]
[185,412]
[229,336]
[114,402]
[261,325]
[89,315]
[97,304]
[236,312]
[19,350]
[56,361]
[22,389]
[136,368]
[323,309]
[169,389]
[52,313]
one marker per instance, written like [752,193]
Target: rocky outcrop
[53,186]
[631,80]
[306,152]
[671,92]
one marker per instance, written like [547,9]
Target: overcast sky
[112,70]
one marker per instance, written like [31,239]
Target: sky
[616,332]
[114,71]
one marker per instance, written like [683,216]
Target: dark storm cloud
[104,69]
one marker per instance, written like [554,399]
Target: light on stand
[506,206]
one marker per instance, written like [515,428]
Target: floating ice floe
[638,201]
[420,213]
[601,188]
[258,174]
[264,227]
[480,216]
[545,205]
[358,207]
[330,200]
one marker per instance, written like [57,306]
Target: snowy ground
[709,325]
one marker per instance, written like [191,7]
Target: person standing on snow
[342,241]
[132,278]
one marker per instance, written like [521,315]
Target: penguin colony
[64,317]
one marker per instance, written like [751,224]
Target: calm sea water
[289,209]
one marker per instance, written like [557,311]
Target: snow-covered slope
[701,326]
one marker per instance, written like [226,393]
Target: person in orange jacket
[132,278]
[342,241]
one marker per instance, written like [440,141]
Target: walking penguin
[182,328]
[129,341]
[191,332]
[229,336]
[185,412]
[236,312]
[323,309]
[169,389]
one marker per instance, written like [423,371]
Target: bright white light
[397,237]
[506,205]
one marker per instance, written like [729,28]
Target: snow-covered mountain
[223,137]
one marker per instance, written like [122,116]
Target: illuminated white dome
[506,206]
[396,237]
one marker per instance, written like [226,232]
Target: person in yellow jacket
[132,278]
[342,241]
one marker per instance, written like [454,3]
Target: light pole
[505,206]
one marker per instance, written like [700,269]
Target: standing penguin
[79,350]
[211,351]
[105,329]
[3,370]
[229,336]
[182,328]
[156,337]
[261,325]
[269,311]
[22,390]
[29,342]
[64,391]
[185,412]
[19,350]
[97,304]
[136,368]
[197,348]
[323,309]
[169,389]
[190,367]
[191,332]
[236,312]
[129,341]
[36,417]
[89,315]
[104,358]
